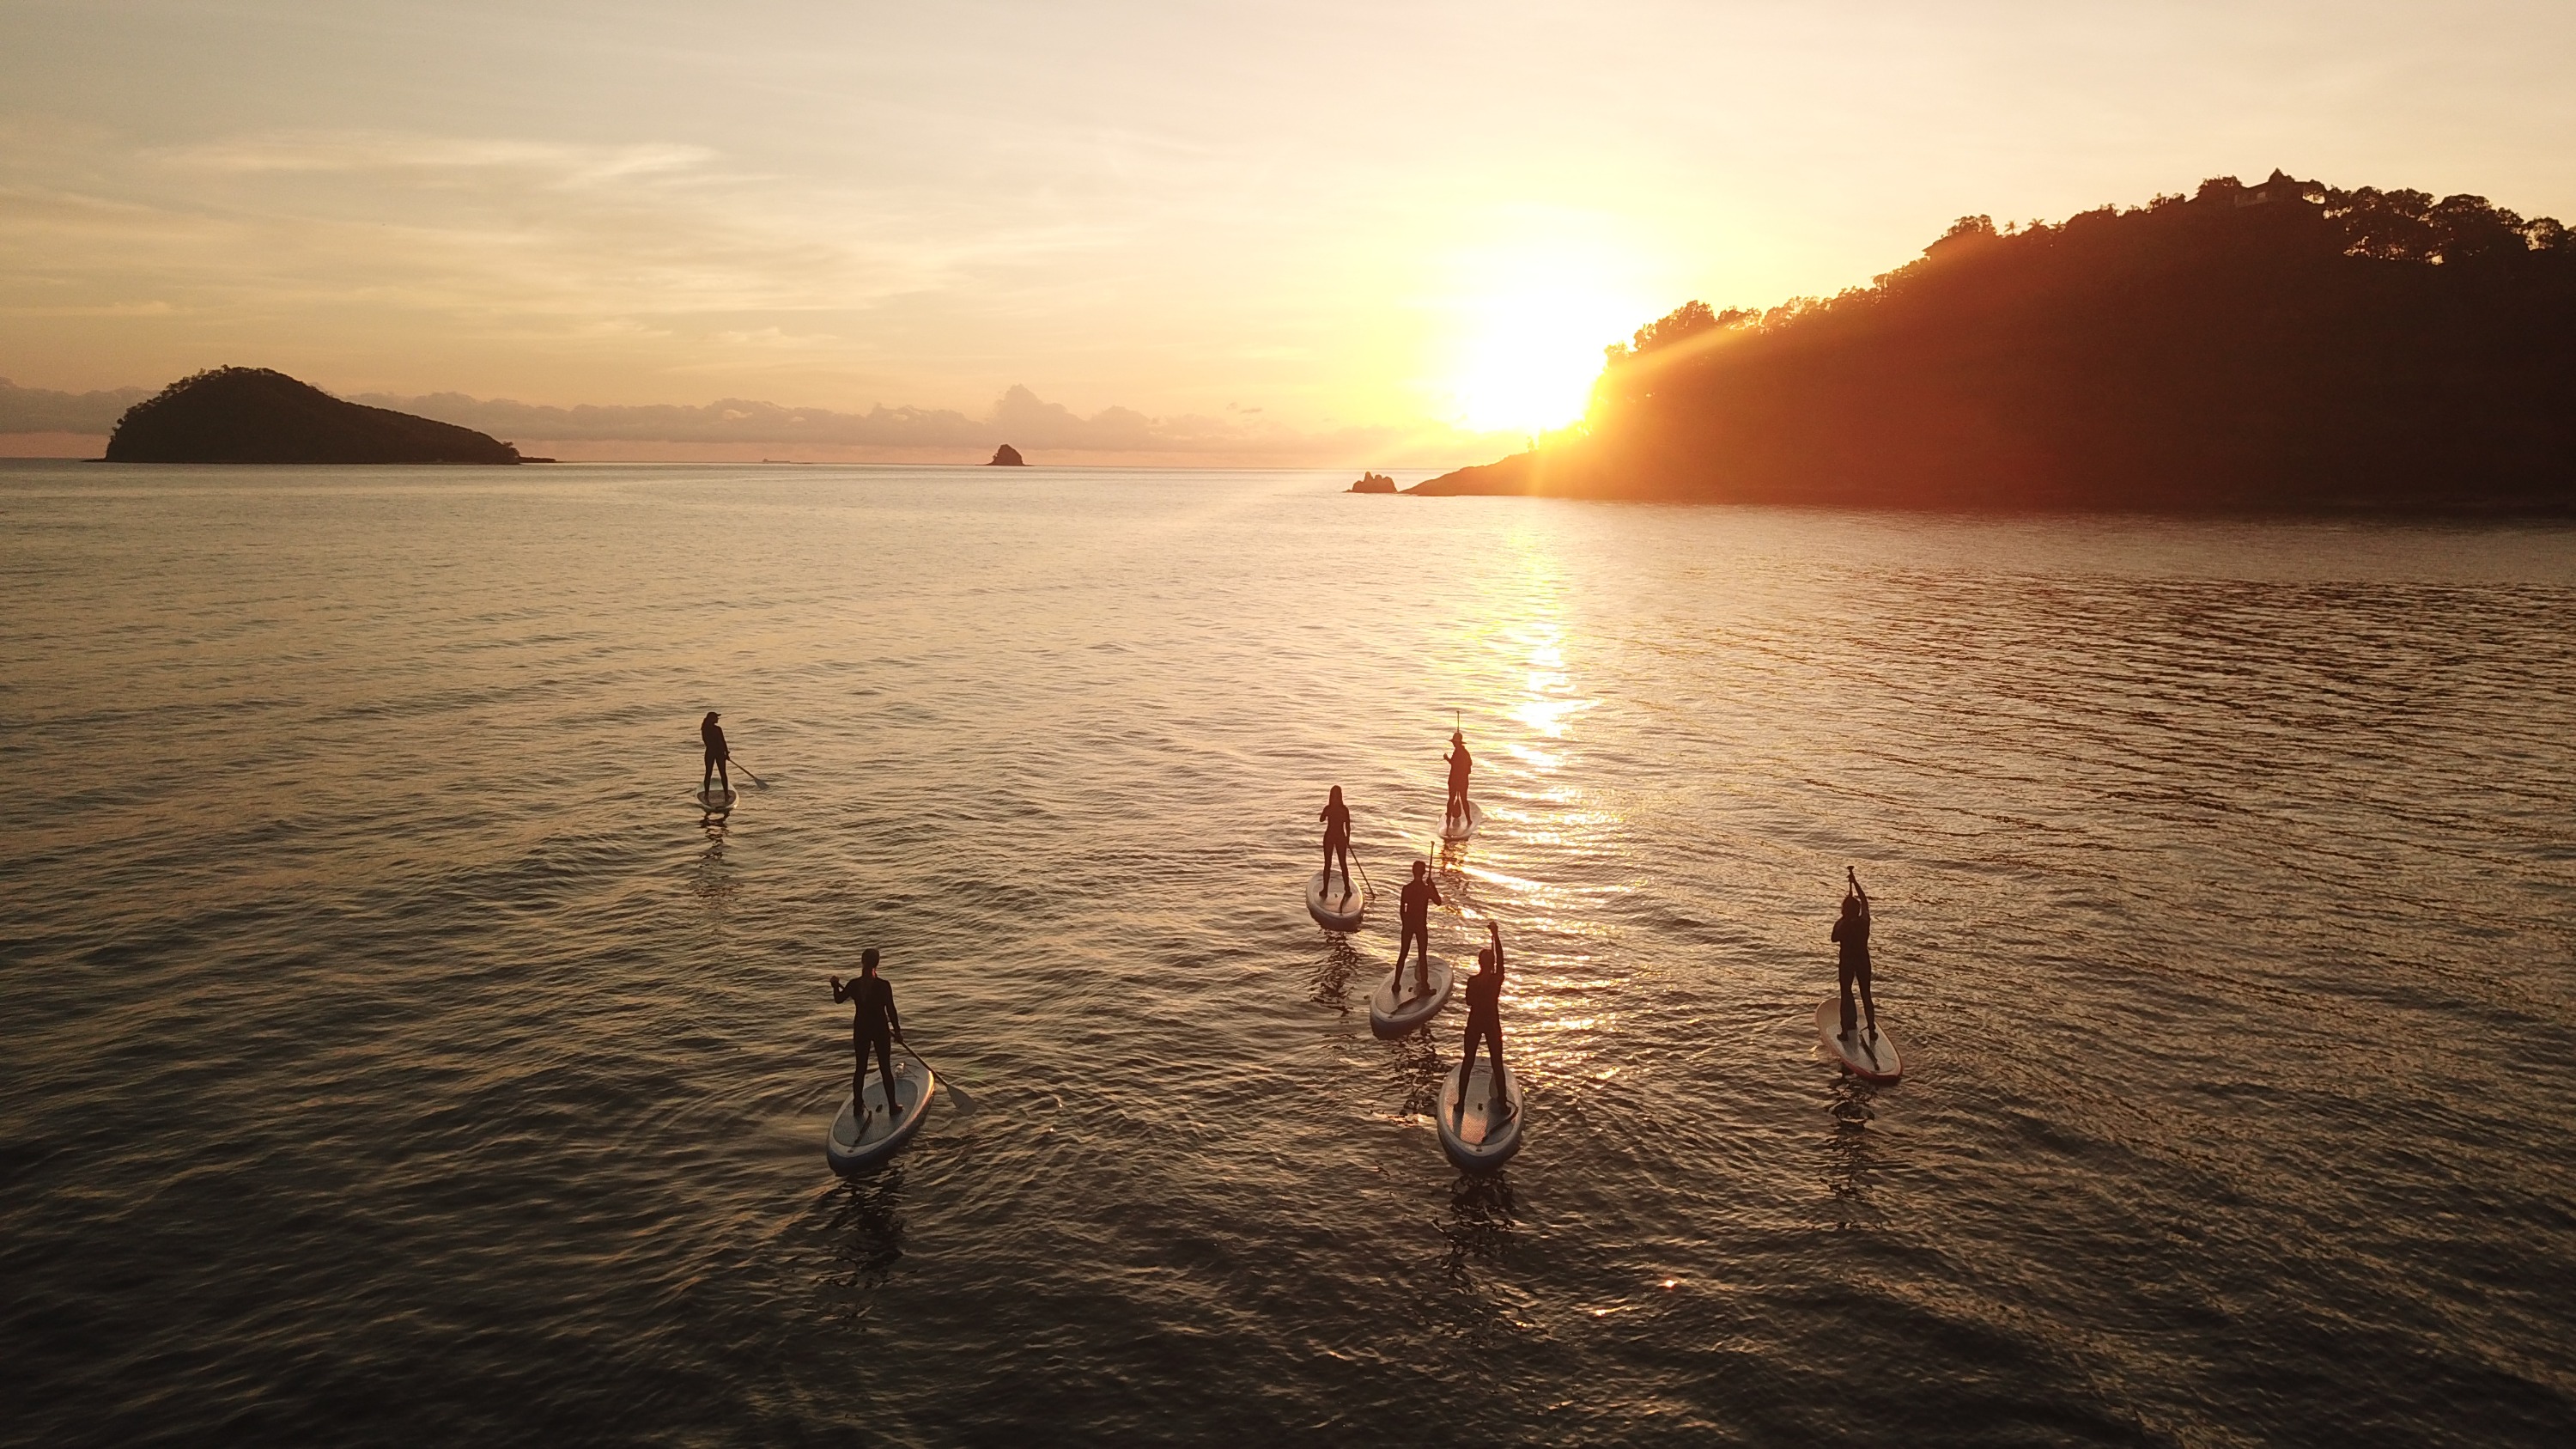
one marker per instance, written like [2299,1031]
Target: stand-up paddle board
[1398,1006]
[1872,1057]
[1454,828]
[1480,1138]
[716,799]
[1336,901]
[853,1146]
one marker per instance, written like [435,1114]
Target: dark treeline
[2281,346]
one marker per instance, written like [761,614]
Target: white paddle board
[853,1145]
[1872,1057]
[1396,1007]
[1455,829]
[1337,902]
[1480,1138]
[716,799]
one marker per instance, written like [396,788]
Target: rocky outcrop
[1374,483]
[1007,456]
[256,415]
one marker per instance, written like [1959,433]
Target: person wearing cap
[717,755]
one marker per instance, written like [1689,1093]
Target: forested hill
[2286,346]
[257,415]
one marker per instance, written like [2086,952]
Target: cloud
[470,236]
[41,410]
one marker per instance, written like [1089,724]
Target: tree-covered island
[256,415]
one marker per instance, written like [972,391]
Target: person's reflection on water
[867,1225]
[1480,1222]
[713,883]
[1333,972]
[1848,1152]
[1418,1070]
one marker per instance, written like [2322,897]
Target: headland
[2282,347]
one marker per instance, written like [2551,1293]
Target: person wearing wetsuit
[1337,838]
[872,1021]
[1459,766]
[1853,932]
[1485,1025]
[1419,896]
[717,755]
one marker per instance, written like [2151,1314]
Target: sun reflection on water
[1550,856]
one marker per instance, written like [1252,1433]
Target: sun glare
[1530,331]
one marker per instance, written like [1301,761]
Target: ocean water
[394,1055]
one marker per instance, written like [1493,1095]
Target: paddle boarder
[718,757]
[1459,767]
[1337,838]
[1417,899]
[872,1021]
[1853,932]
[1485,1025]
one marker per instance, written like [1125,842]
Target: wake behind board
[1875,1058]
[716,799]
[1336,901]
[1456,829]
[1480,1138]
[853,1147]
[1392,1013]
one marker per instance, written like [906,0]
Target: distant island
[2280,347]
[1006,456]
[256,415]
[1374,483]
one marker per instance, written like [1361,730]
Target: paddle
[746,770]
[957,1097]
[1364,876]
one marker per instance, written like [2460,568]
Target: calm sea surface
[393,1056]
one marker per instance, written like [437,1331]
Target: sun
[1529,336]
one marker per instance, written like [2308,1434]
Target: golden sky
[1340,214]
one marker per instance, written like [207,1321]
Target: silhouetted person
[1485,1025]
[717,755]
[1417,899]
[1337,838]
[872,1022]
[1853,932]
[1459,767]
